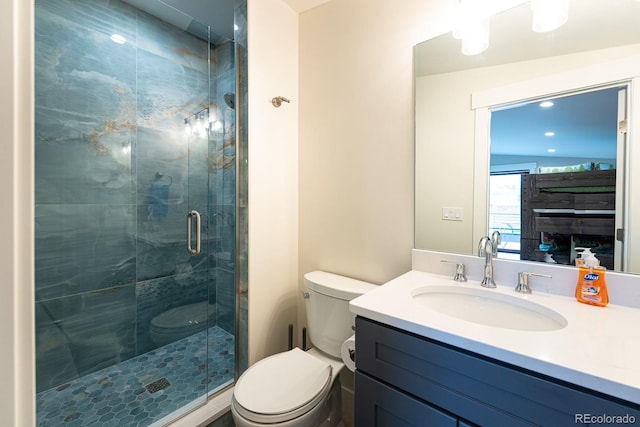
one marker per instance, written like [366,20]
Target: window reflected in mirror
[504,211]
[554,184]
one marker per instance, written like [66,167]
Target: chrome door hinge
[622,126]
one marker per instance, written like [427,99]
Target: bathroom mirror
[455,95]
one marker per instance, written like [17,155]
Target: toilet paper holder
[348,353]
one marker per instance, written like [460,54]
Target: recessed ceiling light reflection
[549,133]
[117,38]
[551,150]
[546,104]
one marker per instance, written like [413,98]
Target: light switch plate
[451,214]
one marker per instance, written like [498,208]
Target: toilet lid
[286,384]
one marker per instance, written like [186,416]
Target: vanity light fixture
[549,14]
[216,126]
[472,24]
[126,147]
[472,27]
[549,134]
[546,104]
[476,38]
[198,124]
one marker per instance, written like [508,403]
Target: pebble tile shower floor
[144,389]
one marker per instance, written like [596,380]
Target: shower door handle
[192,251]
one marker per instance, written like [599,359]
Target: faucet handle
[523,281]
[460,275]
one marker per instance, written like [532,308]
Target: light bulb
[549,15]
[475,37]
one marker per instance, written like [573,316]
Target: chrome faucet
[485,248]
[523,281]
[482,244]
[496,239]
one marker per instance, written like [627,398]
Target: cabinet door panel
[377,404]
[479,389]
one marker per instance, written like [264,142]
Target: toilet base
[328,413]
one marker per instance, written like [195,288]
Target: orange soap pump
[591,287]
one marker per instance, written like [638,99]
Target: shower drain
[157,385]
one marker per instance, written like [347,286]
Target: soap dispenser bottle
[591,287]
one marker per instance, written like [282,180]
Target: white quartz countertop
[599,348]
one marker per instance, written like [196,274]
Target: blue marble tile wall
[242,221]
[116,174]
[222,184]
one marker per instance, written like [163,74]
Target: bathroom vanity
[441,365]
[406,379]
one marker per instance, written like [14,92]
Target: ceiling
[218,14]
[584,125]
[304,5]
[592,24]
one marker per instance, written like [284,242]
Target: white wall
[357,132]
[16,215]
[273,175]
[356,135]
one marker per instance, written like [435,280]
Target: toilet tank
[329,321]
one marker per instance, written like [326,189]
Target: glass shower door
[126,314]
[173,289]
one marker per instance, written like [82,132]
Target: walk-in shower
[135,137]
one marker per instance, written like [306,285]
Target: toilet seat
[282,387]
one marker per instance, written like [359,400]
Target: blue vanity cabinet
[382,405]
[404,379]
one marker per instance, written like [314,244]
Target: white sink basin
[489,307]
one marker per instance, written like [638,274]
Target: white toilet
[298,388]
[181,322]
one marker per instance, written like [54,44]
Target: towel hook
[278,100]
